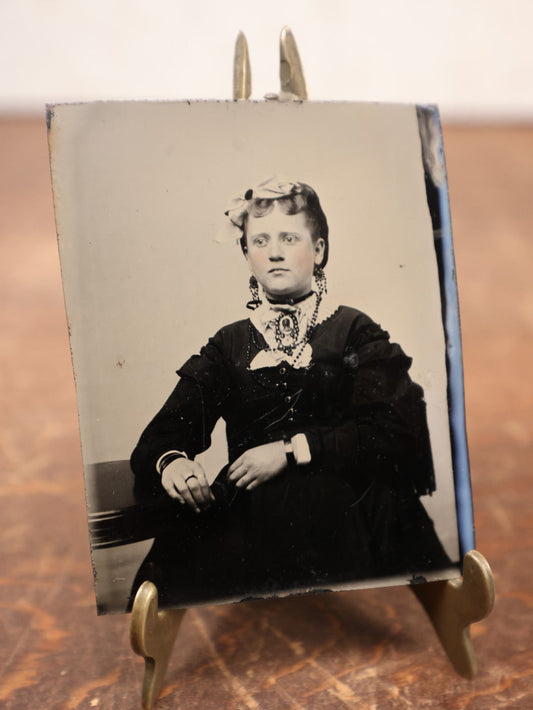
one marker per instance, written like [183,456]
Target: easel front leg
[455,604]
[152,635]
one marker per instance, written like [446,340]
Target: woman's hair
[305,200]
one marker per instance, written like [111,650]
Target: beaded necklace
[286,333]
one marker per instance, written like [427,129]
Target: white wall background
[472,57]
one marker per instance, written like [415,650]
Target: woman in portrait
[328,445]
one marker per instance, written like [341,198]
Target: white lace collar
[265,319]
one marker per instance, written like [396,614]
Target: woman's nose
[276,251]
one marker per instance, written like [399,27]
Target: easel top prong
[291,72]
[292,80]
[242,74]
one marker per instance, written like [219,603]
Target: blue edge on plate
[454,358]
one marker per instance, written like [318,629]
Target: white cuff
[174,454]
[302,452]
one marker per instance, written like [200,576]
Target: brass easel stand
[152,635]
[451,605]
[454,604]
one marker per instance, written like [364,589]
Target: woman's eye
[289,238]
[260,241]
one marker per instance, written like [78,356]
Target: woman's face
[281,253]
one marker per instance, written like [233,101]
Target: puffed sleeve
[186,420]
[384,433]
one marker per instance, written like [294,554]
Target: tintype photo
[265,339]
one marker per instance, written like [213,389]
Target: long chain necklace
[286,333]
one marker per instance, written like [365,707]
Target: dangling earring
[254,290]
[320,279]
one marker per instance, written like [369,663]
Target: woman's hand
[186,481]
[258,465]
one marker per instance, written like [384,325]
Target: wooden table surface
[366,649]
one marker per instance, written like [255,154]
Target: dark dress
[353,513]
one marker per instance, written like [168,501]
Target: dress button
[282,370]
[288,398]
[284,385]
